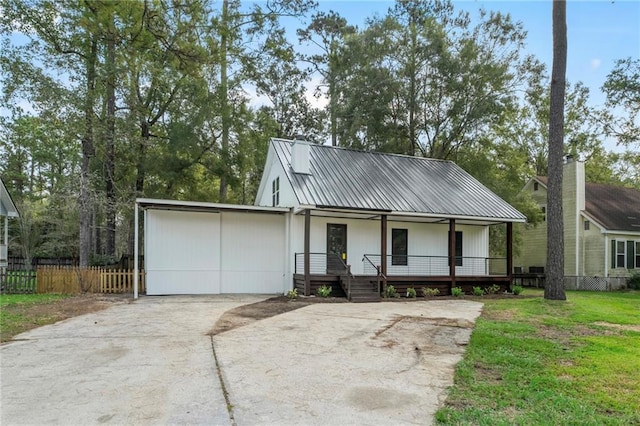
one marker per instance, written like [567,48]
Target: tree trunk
[110,237]
[86,200]
[554,287]
[226,110]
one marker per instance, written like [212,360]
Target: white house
[325,215]
[7,210]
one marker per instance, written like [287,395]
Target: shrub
[634,282]
[517,289]
[391,292]
[324,291]
[457,291]
[494,289]
[411,293]
[477,291]
[292,294]
[428,292]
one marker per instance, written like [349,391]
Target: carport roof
[158,204]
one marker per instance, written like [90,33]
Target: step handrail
[379,274]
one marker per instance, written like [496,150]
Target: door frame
[343,226]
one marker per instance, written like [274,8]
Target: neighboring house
[7,210]
[601,228]
[349,219]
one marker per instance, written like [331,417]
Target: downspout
[287,250]
[136,272]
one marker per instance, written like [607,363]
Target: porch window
[275,192]
[399,247]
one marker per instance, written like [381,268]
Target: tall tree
[554,286]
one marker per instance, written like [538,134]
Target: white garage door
[212,253]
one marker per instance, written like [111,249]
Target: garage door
[212,253]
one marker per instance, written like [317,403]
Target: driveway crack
[222,385]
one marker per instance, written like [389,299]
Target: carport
[210,248]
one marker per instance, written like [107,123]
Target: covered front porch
[402,250]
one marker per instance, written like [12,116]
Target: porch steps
[362,290]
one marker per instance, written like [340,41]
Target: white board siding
[286,195]
[424,239]
[253,253]
[182,252]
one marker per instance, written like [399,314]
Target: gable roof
[7,202]
[349,179]
[616,208]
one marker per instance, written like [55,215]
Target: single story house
[601,231]
[7,209]
[324,215]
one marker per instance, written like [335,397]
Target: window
[618,253]
[275,192]
[535,186]
[399,247]
[543,209]
[458,248]
[587,225]
[637,244]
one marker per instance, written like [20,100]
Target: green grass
[531,361]
[17,313]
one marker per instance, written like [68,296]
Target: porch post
[383,250]
[136,271]
[452,252]
[510,252]
[307,256]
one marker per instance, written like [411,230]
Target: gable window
[399,247]
[275,192]
[535,186]
[587,225]
[458,248]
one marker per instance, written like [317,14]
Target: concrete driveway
[151,362]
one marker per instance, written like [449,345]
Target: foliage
[536,361]
[622,87]
[457,291]
[634,281]
[324,291]
[429,292]
[477,291]
[411,293]
[390,292]
[292,294]
[15,316]
[517,290]
[492,289]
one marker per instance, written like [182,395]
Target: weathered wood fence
[71,279]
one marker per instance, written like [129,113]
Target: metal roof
[7,202]
[350,179]
[159,204]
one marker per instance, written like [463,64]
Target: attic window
[275,192]
[587,225]
[535,186]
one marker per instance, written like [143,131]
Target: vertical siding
[287,196]
[253,249]
[182,252]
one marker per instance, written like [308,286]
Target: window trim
[617,254]
[399,259]
[637,254]
[275,192]
[587,225]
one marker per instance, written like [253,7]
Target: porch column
[452,252]
[383,249]
[510,252]
[307,256]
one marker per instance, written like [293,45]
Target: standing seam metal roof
[346,178]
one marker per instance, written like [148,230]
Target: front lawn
[17,313]
[533,361]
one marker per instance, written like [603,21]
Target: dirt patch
[33,316]
[625,327]
[247,314]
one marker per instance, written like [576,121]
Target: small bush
[494,289]
[517,289]
[634,282]
[391,292]
[457,292]
[324,291]
[477,291]
[411,293]
[428,292]
[292,294]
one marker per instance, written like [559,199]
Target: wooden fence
[57,279]
[17,282]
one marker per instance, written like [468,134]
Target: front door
[336,248]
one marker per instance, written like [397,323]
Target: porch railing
[320,263]
[414,265]
[379,275]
